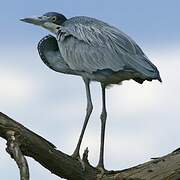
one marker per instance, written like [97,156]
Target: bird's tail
[144,66]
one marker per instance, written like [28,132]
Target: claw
[82,164]
[77,157]
[101,171]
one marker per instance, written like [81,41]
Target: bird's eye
[54,18]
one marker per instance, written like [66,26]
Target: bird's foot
[82,163]
[101,171]
[75,155]
[83,160]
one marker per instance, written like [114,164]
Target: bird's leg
[88,113]
[103,124]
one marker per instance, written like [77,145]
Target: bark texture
[65,166]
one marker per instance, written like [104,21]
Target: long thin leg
[88,113]
[103,125]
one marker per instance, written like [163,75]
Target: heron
[96,51]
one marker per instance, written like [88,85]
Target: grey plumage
[96,51]
[88,46]
[49,52]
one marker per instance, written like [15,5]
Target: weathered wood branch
[63,165]
[15,152]
[44,152]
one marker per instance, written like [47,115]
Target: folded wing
[87,44]
[49,52]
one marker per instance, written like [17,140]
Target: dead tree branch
[23,142]
[15,152]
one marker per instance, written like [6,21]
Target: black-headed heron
[96,51]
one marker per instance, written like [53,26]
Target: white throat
[54,28]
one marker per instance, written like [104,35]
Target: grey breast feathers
[87,44]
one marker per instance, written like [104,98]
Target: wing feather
[87,44]
[51,56]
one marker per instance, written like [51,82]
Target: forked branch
[23,142]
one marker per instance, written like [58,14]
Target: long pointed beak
[43,21]
[34,20]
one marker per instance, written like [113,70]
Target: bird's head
[50,21]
